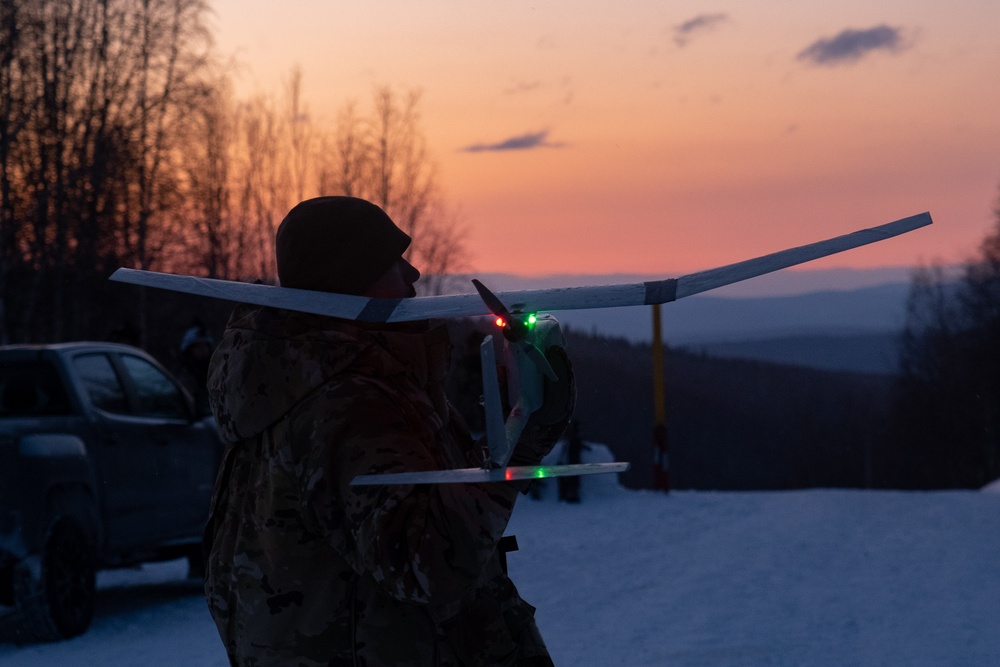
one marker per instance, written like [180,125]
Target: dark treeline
[121,144]
[93,97]
[751,425]
[945,428]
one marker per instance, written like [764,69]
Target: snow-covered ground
[691,578]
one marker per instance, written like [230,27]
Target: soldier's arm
[423,543]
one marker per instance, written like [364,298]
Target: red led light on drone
[530,321]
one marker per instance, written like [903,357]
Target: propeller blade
[539,360]
[492,302]
[515,330]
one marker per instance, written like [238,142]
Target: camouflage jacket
[302,568]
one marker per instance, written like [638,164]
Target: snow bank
[686,579]
[795,578]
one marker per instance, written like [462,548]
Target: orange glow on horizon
[660,149]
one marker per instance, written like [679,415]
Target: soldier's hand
[547,423]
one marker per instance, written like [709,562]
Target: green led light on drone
[532,319]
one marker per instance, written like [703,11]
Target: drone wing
[522,301]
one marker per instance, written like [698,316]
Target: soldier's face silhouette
[396,283]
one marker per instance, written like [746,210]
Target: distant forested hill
[732,424]
[861,352]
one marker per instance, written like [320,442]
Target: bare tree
[202,219]
[385,159]
[947,416]
[346,174]
[299,134]
[284,156]
[92,91]
[15,109]
[265,181]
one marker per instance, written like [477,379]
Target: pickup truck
[104,463]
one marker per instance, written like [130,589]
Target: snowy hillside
[693,578]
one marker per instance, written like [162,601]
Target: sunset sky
[667,137]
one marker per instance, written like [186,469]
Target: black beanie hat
[337,244]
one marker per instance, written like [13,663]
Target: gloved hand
[547,423]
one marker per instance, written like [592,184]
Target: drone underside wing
[480,475]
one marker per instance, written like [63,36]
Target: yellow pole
[661,459]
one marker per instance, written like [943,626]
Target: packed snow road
[693,578]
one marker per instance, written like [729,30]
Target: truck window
[101,382]
[158,396]
[31,387]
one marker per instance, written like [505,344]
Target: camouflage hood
[269,360]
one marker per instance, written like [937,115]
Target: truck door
[189,448]
[128,462]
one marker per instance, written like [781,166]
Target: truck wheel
[69,578]
[59,604]
[196,562]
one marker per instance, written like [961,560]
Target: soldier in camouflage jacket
[304,569]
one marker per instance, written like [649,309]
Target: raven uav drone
[527,333]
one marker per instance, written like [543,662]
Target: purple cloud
[700,23]
[518,143]
[851,45]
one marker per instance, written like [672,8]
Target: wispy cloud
[519,143]
[522,87]
[562,89]
[700,23]
[852,45]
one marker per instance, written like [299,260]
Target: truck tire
[196,562]
[57,602]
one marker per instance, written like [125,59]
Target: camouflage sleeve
[422,543]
